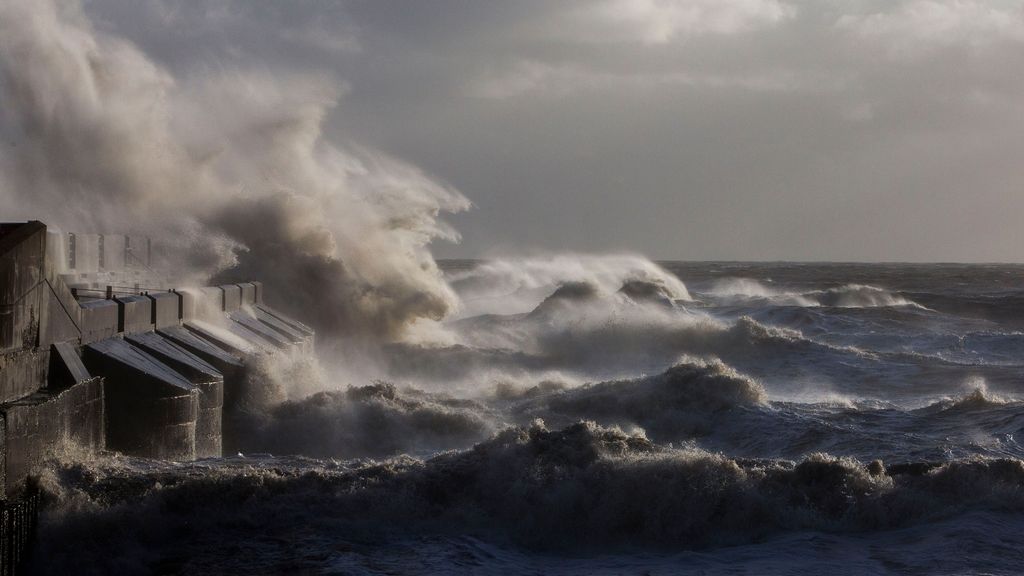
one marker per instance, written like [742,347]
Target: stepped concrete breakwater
[100,352]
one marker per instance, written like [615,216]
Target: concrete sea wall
[146,370]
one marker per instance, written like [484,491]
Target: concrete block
[264,332]
[256,339]
[99,320]
[66,368]
[248,293]
[204,376]
[212,354]
[166,308]
[134,314]
[202,303]
[287,320]
[232,297]
[222,338]
[151,409]
[280,326]
[259,291]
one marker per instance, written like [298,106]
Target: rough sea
[609,415]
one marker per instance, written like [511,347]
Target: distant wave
[847,296]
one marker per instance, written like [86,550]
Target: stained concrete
[22,257]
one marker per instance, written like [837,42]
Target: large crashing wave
[581,488]
[228,170]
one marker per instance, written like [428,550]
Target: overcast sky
[702,129]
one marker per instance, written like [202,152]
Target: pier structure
[100,352]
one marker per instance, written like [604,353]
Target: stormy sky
[701,129]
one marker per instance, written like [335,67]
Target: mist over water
[554,413]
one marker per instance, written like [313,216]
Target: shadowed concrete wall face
[22,296]
[151,409]
[51,424]
[22,257]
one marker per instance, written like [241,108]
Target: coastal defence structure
[100,352]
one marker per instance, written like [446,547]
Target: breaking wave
[583,488]
[684,400]
[368,421]
[847,296]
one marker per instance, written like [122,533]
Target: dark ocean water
[606,415]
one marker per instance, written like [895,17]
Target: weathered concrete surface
[151,409]
[166,309]
[99,320]
[22,257]
[236,382]
[259,291]
[59,323]
[47,424]
[248,293]
[302,328]
[280,326]
[200,373]
[134,314]
[232,297]
[222,338]
[22,373]
[201,303]
[216,356]
[255,338]
[262,331]
[66,368]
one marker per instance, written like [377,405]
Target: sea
[609,415]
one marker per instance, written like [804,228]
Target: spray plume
[232,170]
